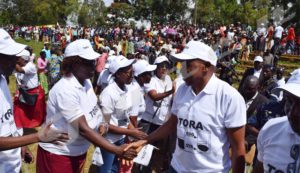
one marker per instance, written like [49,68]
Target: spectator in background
[42,71]
[47,50]
[290,45]
[54,65]
[255,71]
[268,83]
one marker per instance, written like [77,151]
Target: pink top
[101,62]
[42,64]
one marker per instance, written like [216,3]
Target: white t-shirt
[278,32]
[278,147]
[116,102]
[29,79]
[10,160]
[160,86]
[136,93]
[202,143]
[69,100]
[257,73]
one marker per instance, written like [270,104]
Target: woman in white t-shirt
[29,101]
[72,107]
[116,106]
[11,138]
[158,103]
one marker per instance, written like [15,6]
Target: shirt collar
[211,85]
[73,81]
[253,97]
[118,88]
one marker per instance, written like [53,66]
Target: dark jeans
[111,163]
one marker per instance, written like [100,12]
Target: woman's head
[163,65]
[143,71]
[80,60]
[121,68]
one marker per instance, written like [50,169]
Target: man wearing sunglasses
[278,141]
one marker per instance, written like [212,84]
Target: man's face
[249,90]
[7,64]
[193,70]
[292,111]
[258,65]
[267,73]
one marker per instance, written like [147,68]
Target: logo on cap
[85,47]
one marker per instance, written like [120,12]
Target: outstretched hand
[48,134]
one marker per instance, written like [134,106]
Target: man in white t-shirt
[11,137]
[208,115]
[278,141]
[278,32]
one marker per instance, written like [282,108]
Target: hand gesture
[136,133]
[127,152]
[48,134]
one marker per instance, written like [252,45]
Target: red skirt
[27,116]
[47,162]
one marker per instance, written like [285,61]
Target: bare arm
[46,134]
[164,130]
[159,96]
[259,168]
[7,143]
[94,137]
[236,138]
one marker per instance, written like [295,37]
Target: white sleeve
[106,102]
[150,86]
[259,146]
[235,110]
[30,68]
[68,104]
[174,108]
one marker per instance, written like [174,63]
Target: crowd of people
[169,85]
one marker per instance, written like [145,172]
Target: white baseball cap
[259,59]
[161,59]
[24,54]
[197,50]
[293,84]
[120,62]
[142,66]
[8,46]
[82,48]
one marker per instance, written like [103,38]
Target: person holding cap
[278,141]
[72,107]
[256,71]
[29,101]
[116,106]
[208,115]
[11,138]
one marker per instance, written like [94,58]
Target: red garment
[27,116]
[47,162]
[291,34]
